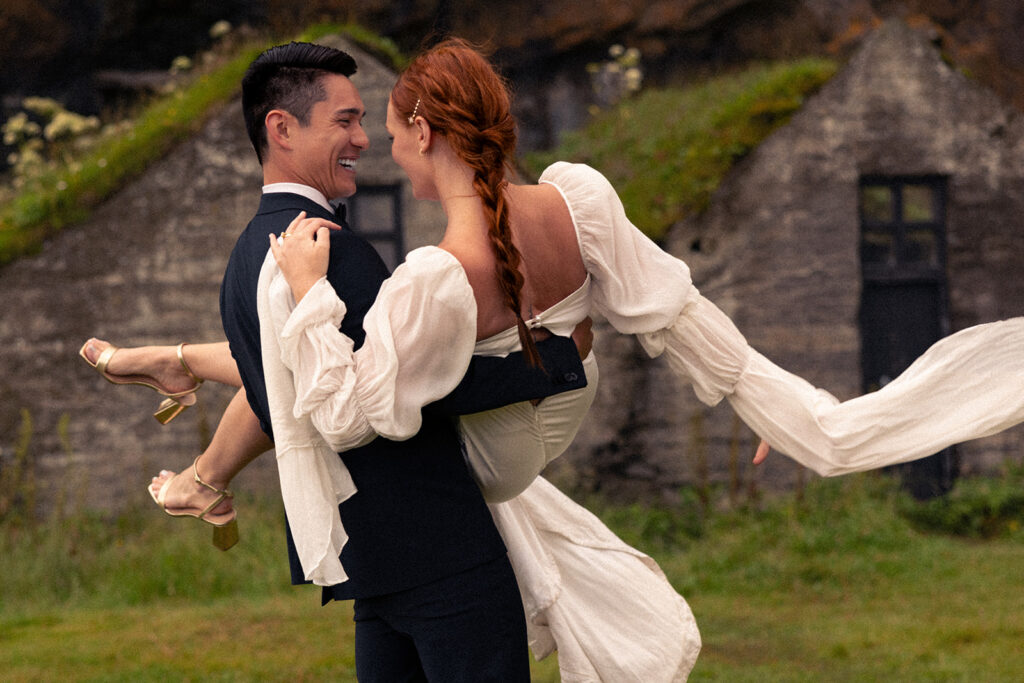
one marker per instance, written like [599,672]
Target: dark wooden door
[903,297]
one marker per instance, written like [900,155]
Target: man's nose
[359,138]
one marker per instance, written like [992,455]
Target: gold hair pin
[412,117]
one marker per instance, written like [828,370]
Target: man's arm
[492,382]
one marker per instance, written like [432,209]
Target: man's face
[327,150]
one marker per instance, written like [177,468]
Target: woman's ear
[424,134]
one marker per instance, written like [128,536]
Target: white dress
[607,608]
[427,306]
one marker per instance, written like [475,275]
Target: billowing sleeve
[643,290]
[420,334]
[966,386]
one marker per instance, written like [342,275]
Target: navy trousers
[469,627]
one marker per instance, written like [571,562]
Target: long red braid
[462,97]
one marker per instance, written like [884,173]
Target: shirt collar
[306,191]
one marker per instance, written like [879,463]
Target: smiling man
[435,596]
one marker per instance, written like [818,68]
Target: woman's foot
[160,363]
[184,495]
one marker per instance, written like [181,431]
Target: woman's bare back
[552,267]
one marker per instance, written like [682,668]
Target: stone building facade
[889,212]
[146,269]
[781,250]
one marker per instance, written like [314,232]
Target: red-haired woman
[546,255]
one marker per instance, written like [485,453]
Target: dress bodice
[560,319]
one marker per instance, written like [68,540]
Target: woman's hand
[762,452]
[302,252]
[583,335]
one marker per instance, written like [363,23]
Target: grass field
[835,585]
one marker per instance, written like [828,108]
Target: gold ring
[285,234]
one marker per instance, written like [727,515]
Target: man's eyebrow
[351,110]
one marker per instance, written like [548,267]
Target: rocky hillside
[59,45]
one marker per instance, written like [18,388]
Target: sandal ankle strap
[224,493]
[181,359]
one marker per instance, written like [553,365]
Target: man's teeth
[347,163]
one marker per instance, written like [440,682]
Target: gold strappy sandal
[225,525]
[172,405]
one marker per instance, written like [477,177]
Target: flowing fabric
[966,386]
[606,607]
[350,397]
[314,481]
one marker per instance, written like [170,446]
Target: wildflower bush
[43,135]
[617,77]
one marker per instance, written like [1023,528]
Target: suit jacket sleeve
[491,381]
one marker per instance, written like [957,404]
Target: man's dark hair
[288,77]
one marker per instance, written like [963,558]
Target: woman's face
[405,150]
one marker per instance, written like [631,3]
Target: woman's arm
[419,340]
[964,387]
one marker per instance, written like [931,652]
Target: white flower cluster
[43,133]
[616,77]
[220,29]
[181,64]
[65,125]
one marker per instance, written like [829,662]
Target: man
[435,596]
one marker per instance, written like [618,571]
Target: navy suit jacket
[418,516]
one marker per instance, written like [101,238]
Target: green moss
[666,151]
[68,194]
[380,47]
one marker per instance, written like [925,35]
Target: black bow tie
[339,214]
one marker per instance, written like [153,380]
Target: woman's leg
[238,439]
[211,362]
[237,442]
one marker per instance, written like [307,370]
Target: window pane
[374,212]
[876,203]
[920,246]
[918,204]
[876,247]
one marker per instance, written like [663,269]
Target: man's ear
[279,123]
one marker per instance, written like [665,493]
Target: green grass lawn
[834,585]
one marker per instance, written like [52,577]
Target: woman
[966,386]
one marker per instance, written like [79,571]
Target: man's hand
[583,335]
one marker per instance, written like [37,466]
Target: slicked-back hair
[288,77]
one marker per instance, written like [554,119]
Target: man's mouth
[348,163]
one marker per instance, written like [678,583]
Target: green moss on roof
[667,150]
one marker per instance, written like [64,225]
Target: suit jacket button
[570,377]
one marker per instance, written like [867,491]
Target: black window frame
[898,269]
[395,233]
